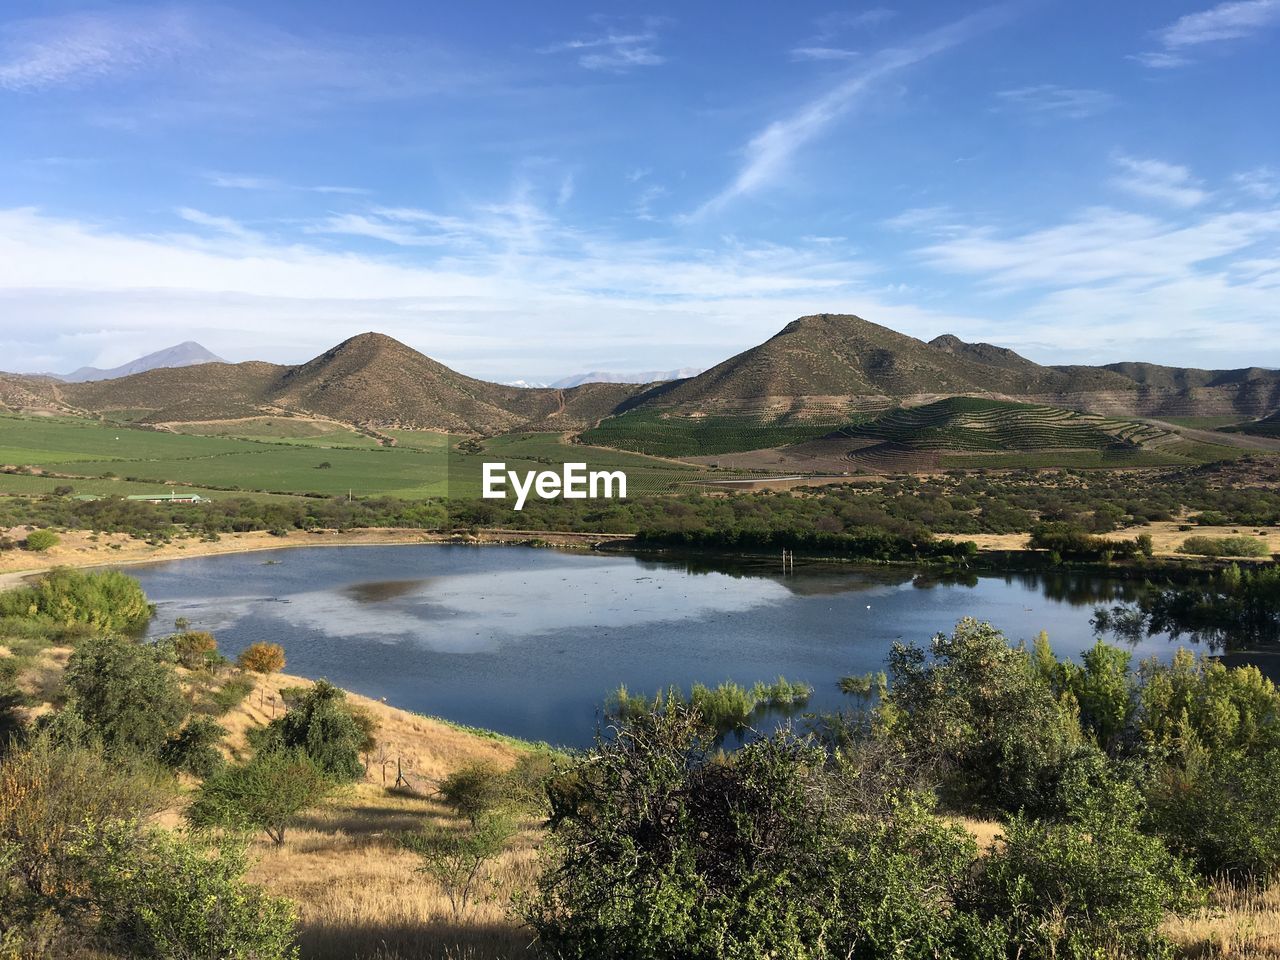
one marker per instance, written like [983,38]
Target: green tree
[263,794]
[194,748]
[38,541]
[319,723]
[126,696]
[459,859]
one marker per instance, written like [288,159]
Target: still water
[529,641]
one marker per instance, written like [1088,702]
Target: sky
[528,190]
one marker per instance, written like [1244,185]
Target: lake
[528,641]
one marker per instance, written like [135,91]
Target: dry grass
[1237,924]
[359,896]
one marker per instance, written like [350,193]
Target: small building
[169,497]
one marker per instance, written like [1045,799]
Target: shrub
[473,790]
[125,695]
[1091,886]
[194,748]
[459,859]
[106,600]
[48,791]
[1220,811]
[1225,547]
[263,794]
[660,846]
[981,716]
[230,695]
[320,724]
[194,648]
[38,541]
[262,658]
[165,896]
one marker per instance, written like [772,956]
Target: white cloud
[1260,182]
[1227,21]
[1110,284]
[509,273]
[239,181]
[615,51]
[1157,180]
[78,48]
[769,152]
[823,53]
[1051,99]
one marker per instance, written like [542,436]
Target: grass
[421,464]
[670,435]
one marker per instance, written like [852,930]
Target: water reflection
[529,641]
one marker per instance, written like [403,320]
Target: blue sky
[529,190]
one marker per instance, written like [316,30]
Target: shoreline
[121,550]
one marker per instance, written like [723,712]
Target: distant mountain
[369,379]
[185,354]
[816,367]
[611,376]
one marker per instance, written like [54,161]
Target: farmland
[669,435]
[103,459]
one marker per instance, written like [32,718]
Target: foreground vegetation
[977,799]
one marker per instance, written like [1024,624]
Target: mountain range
[185,354]
[823,364]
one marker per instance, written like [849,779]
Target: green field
[111,459]
[668,435]
[974,424]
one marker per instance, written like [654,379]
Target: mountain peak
[185,354]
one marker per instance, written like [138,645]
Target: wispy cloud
[1227,21]
[615,50]
[1260,182]
[1156,180]
[239,181]
[218,62]
[833,26]
[80,48]
[1049,99]
[823,53]
[769,152]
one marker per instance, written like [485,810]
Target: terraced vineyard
[669,435]
[975,424]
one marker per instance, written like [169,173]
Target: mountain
[368,380]
[185,354]
[833,363]
[817,369]
[611,376]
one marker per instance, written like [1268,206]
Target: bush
[1220,811]
[320,724]
[473,790]
[106,600]
[48,790]
[194,648]
[662,847]
[125,695]
[38,541]
[262,658]
[263,794]
[165,896]
[1091,886]
[194,748]
[981,716]
[459,860]
[1225,547]
[230,695]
